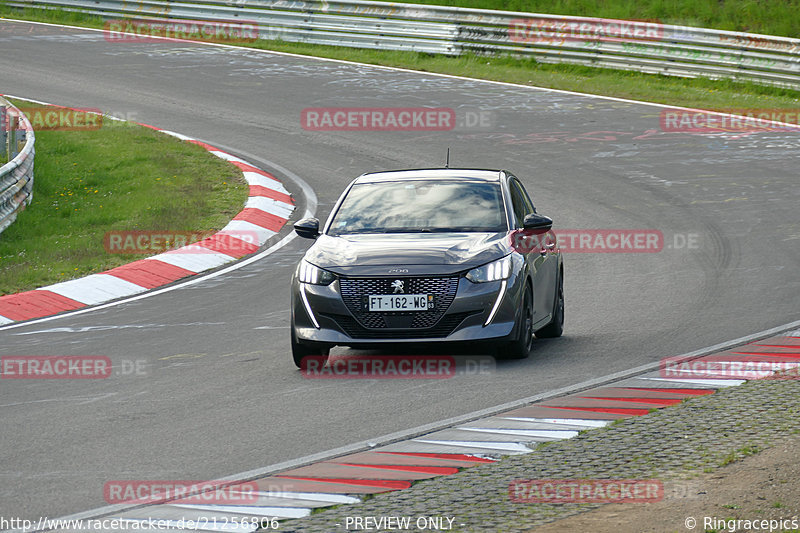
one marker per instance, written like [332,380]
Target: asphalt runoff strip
[673,445]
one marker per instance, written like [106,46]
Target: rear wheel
[303,353]
[556,327]
[521,347]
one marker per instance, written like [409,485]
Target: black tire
[301,351]
[521,347]
[556,327]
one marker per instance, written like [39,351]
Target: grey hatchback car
[428,256]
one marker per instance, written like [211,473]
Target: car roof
[465,174]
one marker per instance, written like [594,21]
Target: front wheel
[302,353]
[521,347]
[556,327]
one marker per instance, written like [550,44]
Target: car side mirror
[537,221]
[307,228]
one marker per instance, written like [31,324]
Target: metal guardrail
[629,45]
[16,176]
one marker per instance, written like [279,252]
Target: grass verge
[771,17]
[119,177]
[698,92]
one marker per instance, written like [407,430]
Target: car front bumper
[320,314]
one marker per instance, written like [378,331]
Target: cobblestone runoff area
[673,444]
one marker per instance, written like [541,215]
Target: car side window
[519,201]
[527,198]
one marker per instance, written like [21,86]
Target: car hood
[386,253]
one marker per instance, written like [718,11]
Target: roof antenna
[447,161]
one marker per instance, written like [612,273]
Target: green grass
[119,177]
[737,455]
[772,17]
[700,92]
[56,16]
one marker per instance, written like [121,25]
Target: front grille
[355,330]
[354,289]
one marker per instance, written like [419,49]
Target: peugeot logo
[397,285]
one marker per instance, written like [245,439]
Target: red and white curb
[266,211]
[295,492]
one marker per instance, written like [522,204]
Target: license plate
[399,302]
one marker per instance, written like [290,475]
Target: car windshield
[421,206]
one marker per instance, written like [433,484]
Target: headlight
[494,271]
[308,273]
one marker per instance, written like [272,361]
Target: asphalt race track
[217,392]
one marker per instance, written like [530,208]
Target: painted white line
[254,178]
[496,422]
[20,97]
[243,228]
[178,135]
[704,382]
[511,447]
[4,320]
[95,288]
[737,369]
[278,512]
[310,496]
[747,362]
[565,421]
[195,262]
[533,433]
[282,209]
[228,157]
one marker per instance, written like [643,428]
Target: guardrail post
[16,174]
[21,136]
[12,142]
[3,134]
